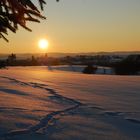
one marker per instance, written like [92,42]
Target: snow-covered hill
[38,103]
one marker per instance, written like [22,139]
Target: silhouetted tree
[2,64]
[33,61]
[11,59]
[129,66]
[18,12]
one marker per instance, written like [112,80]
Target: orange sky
[82,26]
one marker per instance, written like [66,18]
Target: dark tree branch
[18,12]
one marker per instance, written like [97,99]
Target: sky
[81,26]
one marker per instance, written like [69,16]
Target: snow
[40,103]
[80,68]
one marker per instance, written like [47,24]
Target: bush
[90,69]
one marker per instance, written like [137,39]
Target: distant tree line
[127,66]
[12,60]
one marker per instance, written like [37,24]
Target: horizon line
[75,52]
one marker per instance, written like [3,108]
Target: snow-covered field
[41,104]
[80,68]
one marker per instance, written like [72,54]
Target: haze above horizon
[81,26]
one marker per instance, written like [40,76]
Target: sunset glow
[81,26]
[43,44]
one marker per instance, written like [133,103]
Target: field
[40,103]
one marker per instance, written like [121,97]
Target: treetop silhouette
[18,12]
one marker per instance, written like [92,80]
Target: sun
[43,43]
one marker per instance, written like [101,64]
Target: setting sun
[43,43]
